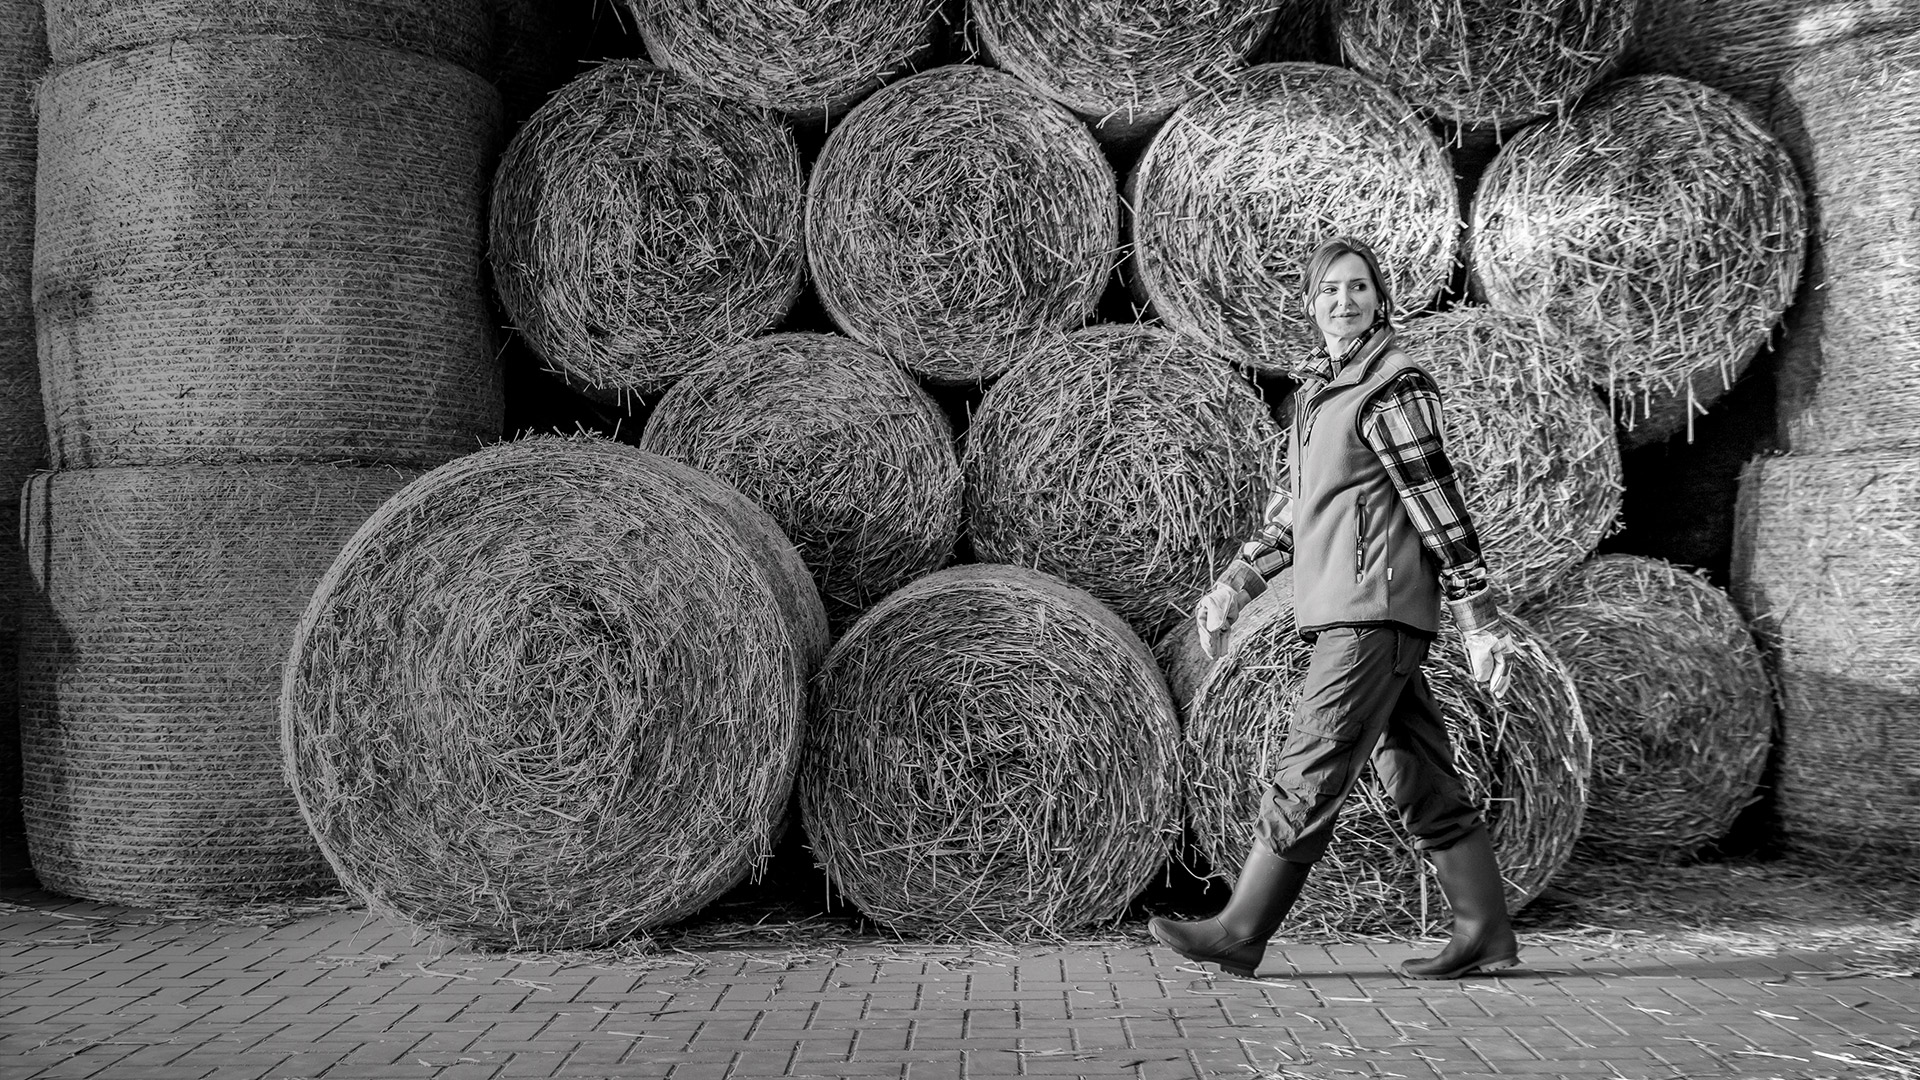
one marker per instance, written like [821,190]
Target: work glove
[1214,616]
[1487,653]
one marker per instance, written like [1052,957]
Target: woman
[1376,532]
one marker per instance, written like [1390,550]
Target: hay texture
[1744,46]
[1825,566]
[1486,67]
[1661,222]
[1124,460]
[807,62]
[1676,696]
[551,694]
[846,452]
[23,429]
[1239,187]
[150,655]
[1527,758]
[991,753]
[1851,113]
[953,214]
[457,31]
[264,248]
[641,227]
[1530,438]
[1120,65]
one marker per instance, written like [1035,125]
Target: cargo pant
[1364,689]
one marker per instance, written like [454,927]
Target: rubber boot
[1482,935]
[1236,939]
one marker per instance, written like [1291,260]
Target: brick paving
[97,992]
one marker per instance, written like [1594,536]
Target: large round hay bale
[1239,187]
[1676,696]
[956,212]
[1660,221]
[16,865]
[1825,565]
[641,227]
[808,62]
[551,694]
[1851,112]
[1744,46]
[1530,438]
[846,453]
[457,31]
[150,658]
[990,752]
[1125,460]
[1525,758]
[1120,65]
[23,427]
[1486,67]
[264,248]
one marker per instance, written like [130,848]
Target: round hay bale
[150,658]
[457,31]
[953,214]
[551,694]
[1239,187]
[809,62]
[850,456]
[23,425]
[1660,221]
[1743,46]
[1531,440]
[16,865]
[1676,696]
[264,249]
[990,752]
[641,227]
[1124,460]
[1527,759]
[1478,66]
[1120,65]
[1851,111]
[1825,566]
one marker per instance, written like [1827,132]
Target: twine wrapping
[457,31]
[23,427]
[1744,46]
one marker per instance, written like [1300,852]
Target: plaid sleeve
[1267,552]
[1403,426]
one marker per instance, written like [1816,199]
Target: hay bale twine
[846,453]
[1481,67]
[1660,221]
[1744,46]
[1239,187]
[641,227]
[150,658]
[264,248]
[953,214]
[1676,695]
[1125,460]
[16,865]
[1825,565]
[551,694]
[808,62]
[1530,438]
[23,427]
[991,752]
[457,31]
[1851,111]
[1526,759]
[1120,65]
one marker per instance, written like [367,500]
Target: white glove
[1214,616]
[1487,654]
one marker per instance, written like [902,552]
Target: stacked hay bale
[1744,46]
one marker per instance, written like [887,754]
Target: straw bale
[1239,187]
[1531,439]
[641,227]
[1851,114]
[846,452]
[1825,566]
[1676,696]
[23,429]
[16,865]
[149,667]
[1744,46]
[990,752]
[1481,65]
[809,62]
[1660,221]
[956,212]
[1527,759]
[551,694]
[457,31]
[1125,460]
[1121,65]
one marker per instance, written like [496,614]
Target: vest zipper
[1360,540]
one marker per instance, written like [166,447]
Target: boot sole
[1482,967]
[1227,966]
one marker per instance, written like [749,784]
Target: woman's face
[1345,300]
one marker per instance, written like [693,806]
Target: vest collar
[1360,357]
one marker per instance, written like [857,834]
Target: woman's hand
[1487,654]
[1214,616]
